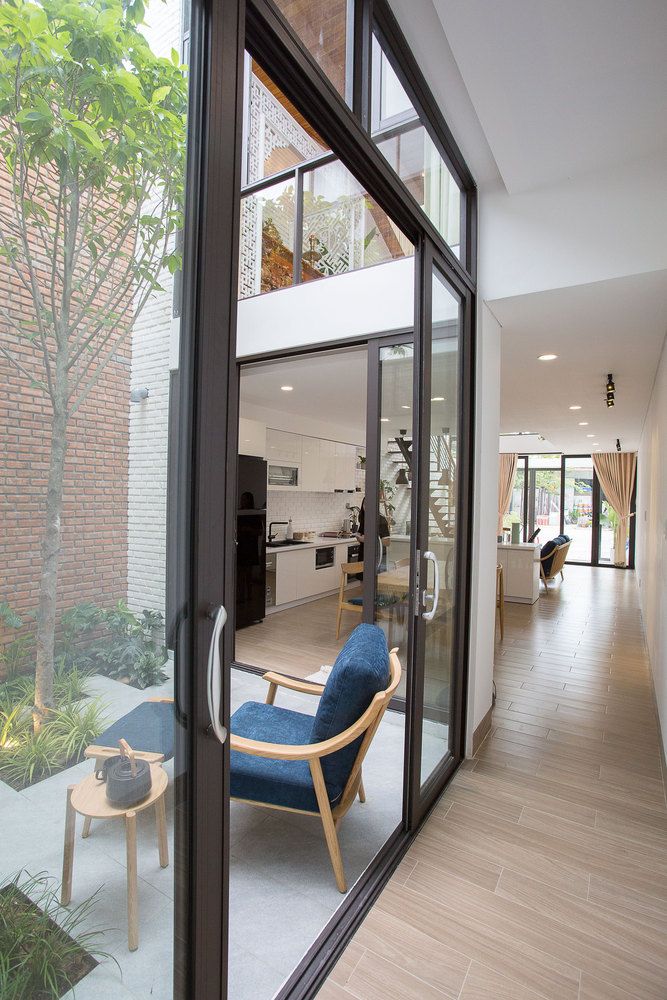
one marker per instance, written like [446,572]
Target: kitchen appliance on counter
[251,541]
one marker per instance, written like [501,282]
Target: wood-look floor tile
[375,978]
[542,872]
[480,939]
[387,937]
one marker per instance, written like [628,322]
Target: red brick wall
[93,563]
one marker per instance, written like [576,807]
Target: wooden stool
[500,599]
[346,570]
[89,799]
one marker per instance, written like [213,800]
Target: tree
[92,139]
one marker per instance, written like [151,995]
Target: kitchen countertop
[317,543]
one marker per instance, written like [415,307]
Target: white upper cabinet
[311,477]
[252,438]
[327,466]
[282,446]
[346,460]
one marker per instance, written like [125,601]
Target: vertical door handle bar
[214,674]
[428,616]
[381,554]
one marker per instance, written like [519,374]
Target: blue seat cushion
[361,670]
[278,782]
[148,727]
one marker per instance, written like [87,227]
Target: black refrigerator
[251,541]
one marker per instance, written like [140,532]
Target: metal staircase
[442,480]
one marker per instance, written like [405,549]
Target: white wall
[337,308]
[485,519]
[651,553]
[149,420]
[280,420]
[590,228]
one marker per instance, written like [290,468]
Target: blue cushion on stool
[262,779]
[148,727]
[361,670]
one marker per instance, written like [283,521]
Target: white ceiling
[327,387]
[615,326]
[562,88]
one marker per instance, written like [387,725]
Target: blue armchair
[312,764]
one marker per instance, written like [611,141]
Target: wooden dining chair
[355,604]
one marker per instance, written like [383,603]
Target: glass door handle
[381,554]
[428,616]
[214,674]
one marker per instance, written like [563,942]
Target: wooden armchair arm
[279,680]
[307,751]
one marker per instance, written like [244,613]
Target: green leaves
[87,135]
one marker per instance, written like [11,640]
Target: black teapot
[128,780]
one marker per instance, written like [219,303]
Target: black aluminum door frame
[430,263]
[205,481]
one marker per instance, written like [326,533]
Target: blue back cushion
[550,547]
[361,670]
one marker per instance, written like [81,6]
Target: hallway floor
[542,872]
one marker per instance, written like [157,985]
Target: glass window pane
[267,240]
[410,150]
[90,573]
[578,508]
[343,227]
[442,504]
[322,27]
[276,135]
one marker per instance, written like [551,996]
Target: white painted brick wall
[309,511]
[149,420]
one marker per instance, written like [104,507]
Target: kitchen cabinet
[283,446]
[311,476]
[252,438]
[327,466]
[296,575]
[345,466]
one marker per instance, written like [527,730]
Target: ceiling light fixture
[402,478]
[287,388]
[575,407]
[384,420]
[618,444]
[547,357]
[583,423]
[611,389]
[404,407]
[590,435]
[437,399]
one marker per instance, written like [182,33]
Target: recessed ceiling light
[595,443]
[590,435]
[384,420]
[404,407]
[437,399]
[287,388]
[575,407]
[583,423]
[547,357]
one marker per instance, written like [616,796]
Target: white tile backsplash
[309,511]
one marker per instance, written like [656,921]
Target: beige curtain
[616,472]
[506,477]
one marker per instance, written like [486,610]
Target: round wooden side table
[89,799]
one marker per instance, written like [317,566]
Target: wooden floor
[542,872]
[297,641]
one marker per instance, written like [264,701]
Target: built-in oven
[354,552]
[284,477]
[325,557]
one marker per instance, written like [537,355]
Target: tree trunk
[46,614]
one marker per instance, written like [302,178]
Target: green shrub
[30,756]
[39,958]
[15,655]
[77,726]
[27,757]
[130,650]
[70,683]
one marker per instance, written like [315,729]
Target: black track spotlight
[618,444]
[610,383]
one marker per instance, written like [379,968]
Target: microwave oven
[284,476]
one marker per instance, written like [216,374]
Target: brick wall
[93,563]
